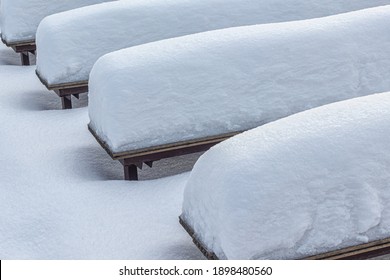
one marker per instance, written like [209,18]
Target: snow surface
[20,18]
[60,194]
[79,37]
[236,79]
[8,56]
[63,197]
[306,184]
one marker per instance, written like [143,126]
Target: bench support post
[25,58]
[24,49]
[66,93]
[66,102]
[131,172]
[131,160]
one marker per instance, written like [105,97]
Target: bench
[64,64]
[143,114]
[313,185]
[134,160]
[20,20]
[66,91]
[358,252]
[24,48]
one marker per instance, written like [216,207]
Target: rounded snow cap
[310,183]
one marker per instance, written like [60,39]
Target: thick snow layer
[236,79]
[63,197]
[310,183]
[70,43]
[20,18]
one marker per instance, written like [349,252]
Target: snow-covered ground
[62,197]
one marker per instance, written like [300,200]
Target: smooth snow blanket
[78,38]
[236,79]
[313,182]
[19,19]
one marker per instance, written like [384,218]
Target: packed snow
[79,37]
[20,18]
[307,184]
[235,79]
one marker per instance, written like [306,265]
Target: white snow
[20,18]
[310,183]
[79,37]
[8,56]
[236,79]
[63,197]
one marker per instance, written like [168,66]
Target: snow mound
[313,182]
[79,37]
[235,79]
[20,18]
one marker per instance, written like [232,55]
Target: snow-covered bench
[313,185]
[20,20]
[24,48]
[185,94]
[70,43]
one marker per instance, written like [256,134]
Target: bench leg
[66,102]
[25,58]
[131,172]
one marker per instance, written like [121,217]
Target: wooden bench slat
[19,44]
[61,86]
[144,152]
[138,157]
[65,90]
[362,251]
[24,48]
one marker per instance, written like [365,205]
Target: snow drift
[79,37]
[236,79]
[20,18]
[310,183]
